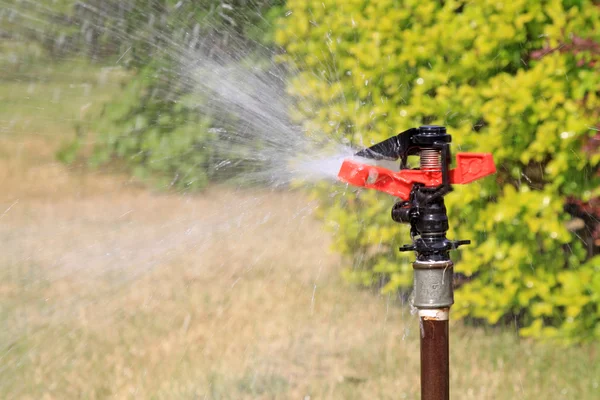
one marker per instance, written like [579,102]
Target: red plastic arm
[469,167]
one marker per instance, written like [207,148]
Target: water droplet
[566,135]
[420,81]
[288,13]
[372,178]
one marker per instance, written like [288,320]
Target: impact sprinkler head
[420,190]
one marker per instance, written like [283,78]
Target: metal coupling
[433,284]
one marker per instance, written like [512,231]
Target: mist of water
[261,130]
[247,103]
[250,112]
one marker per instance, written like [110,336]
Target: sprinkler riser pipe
[435,348]
[433,284]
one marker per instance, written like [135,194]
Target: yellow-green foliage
[370,69]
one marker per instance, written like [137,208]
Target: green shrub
[156,131]
[498,75]
[161,125]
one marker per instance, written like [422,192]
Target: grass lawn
[108,289]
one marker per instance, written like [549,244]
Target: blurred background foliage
[154,126]
[518,79]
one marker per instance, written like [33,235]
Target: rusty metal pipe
[435,363]
[433,298]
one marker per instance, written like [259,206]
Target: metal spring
[431,160]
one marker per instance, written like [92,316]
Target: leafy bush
[154,129]
[132,31]
[96,29]
[496,74]
[160,125]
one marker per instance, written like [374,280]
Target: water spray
[421,192]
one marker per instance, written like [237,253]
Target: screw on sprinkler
[421,192]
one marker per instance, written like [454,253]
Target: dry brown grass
[228,286]
[111,290]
